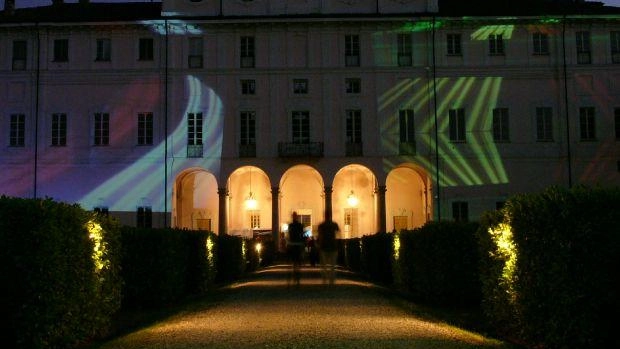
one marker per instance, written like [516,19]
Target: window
[145,128]
[145,49]
[194,129]
[61,50]
[194,135]
[614,38]
[247,127]
[406,131]
[500,125]
[460,211]
[354,126]
[104,50]
[496,45]
[248,87]
[247,52]
[617,120]
[353,85]
[102,210]
[144,217]
[587,131]
[300,86]
[457,125]
[583,47]
[194,58]
[20,53]
[544,124]
[18,130]
[404,51]
[255,219]
[453,42]
[102,129]
[541,43]
[301,127]
[352,50]
[59,129]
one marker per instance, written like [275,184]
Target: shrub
[59,290]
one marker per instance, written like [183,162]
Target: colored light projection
[143,178]
[482,164]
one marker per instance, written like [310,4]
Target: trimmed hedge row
[166,265]
[59,271]
[551,271]
[438,263]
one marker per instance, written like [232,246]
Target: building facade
[230,115]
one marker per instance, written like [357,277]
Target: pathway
[264,312]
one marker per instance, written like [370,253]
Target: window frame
[614,43]
[300,86]
[19,55]
[544,124]
[61,50]
[195,52]
[247,51]
[248,87]
[195,130]
[540,44]
[457,125]
[59,130]
[17,130]
[103,51]
[352,50]
[460,211]
[501,125]
[454,44]
[496,45]
[583,47]
[247,127]
[101,129]
[145,129]
[353,126]
[353,85]
[404,49]
[300,127]
[587,124]
[146,49]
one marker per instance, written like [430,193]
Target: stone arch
[195,200]
[249,201]
[302,190]
[354,203]
[408,197]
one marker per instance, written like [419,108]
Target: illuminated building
[229,115]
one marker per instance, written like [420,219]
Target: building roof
[135,11]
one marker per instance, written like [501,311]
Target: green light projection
[483,32]
[474,162]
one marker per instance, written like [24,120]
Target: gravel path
[264,312]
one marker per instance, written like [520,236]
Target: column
[328,202]
[275,215]
[380,191]
[222,212]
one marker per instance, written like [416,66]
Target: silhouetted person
[296,245]
[328,250]
[313,253]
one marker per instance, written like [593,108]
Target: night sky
[29,3]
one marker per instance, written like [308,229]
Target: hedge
[438,263]
[166,265]
[550,272]
[59,271]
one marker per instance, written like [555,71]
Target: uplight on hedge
[210,251]
[396,246]
[506,250]
[95,233]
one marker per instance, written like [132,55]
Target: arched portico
[195,204]
[302,190]
[249,203]
[408,198]
[354,202]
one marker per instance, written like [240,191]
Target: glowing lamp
[352,200]
[250,202]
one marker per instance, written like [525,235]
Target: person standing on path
[296,246]
[327,249]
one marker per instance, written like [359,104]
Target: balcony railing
[194,151]
[292,150]
[406,148]
[247,150]
[354,149]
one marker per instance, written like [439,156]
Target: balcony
[354,149]
[293,150]
[194,151]
[247,150]
[406,148]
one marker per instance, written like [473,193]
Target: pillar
[328,202]
[275,215]
[222,212]
[380,191]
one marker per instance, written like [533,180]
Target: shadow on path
[266,311]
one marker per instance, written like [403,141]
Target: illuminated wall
[420,184]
